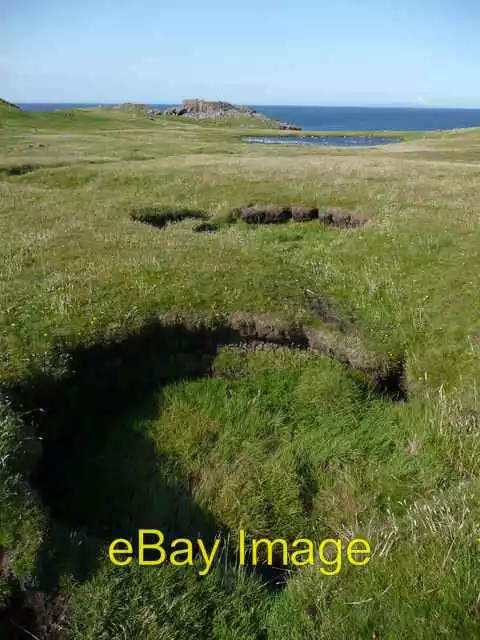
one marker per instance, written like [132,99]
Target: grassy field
[203,382]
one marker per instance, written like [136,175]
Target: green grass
[157,431]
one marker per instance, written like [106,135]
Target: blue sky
[312,52]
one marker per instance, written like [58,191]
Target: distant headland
[198,109]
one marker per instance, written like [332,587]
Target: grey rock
[200,109]
[287,126]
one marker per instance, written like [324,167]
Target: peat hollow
[108,381]
[19,170]
[101,478]
[276,214]
[160,217]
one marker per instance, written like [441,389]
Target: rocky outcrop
[201,109]
[287,126]
[175,111]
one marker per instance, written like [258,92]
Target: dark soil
[31,614]
[304,214]
[276,214]
[251,214]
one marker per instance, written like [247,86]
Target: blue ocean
[341,118]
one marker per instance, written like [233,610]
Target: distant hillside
[9,105]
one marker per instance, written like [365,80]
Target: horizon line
[332,105]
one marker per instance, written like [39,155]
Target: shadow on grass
[98,476]
[19,170]
[159,216]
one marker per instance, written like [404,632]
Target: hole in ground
[92,406]
[99,477]
[19,170]
[159,217]
[91,410]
